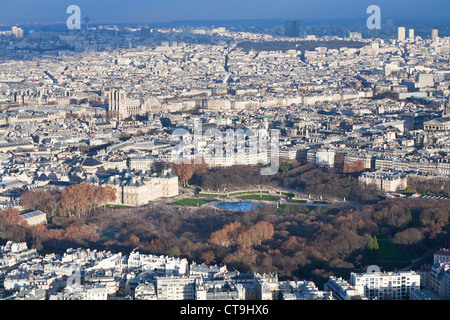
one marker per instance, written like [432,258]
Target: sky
[157,11]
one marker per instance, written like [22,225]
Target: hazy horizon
[141,11]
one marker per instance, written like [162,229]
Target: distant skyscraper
[291,28]
[86,19]
[17,32]
[411,34]
[401,33]
[355,35]
[390,26]
[435,35]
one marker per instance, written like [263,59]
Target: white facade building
[176,288]
[342,289]
[386,285]
[388,181]
[325,158]
[168,265]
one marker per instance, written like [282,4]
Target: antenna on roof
[86,19]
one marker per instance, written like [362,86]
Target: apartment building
[368,160]
[447,285]
[302,290]
[437,278]
[386,285]
[442,256]
[321,157]
[266,286]
[83,292]
[387,181]
[140,163]
[162,264]
[424,295]
[145,291]
[206,271]
[342,290]
[219,290]
[293,153]
[176,288]
[426,166]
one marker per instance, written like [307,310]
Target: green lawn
[190,202]
[211,195]
[392,251]
[260,197]
[293,208]
[245,192]
[224,195]
[333,211]
[391,265]
[298,200]
[108,234]
[252,195]
[116,206]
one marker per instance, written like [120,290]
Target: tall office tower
[17,32]
[390,26]
[401,33]
[291,28]
[411,34]
[86,19]
[434,35]
[14,31]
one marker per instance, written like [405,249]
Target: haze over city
[250,151]
[141,11]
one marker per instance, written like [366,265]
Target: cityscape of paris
[208,151]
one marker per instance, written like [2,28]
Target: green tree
[408,214]
[375,243]
[372,246]
[369,241]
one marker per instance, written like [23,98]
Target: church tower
[446,112]
[117,100]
